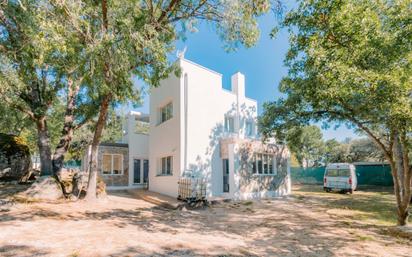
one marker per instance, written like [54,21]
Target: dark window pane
[136,171]
[145,171]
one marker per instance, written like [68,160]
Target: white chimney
[238,84]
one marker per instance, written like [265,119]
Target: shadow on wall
[263,185]
[209,165]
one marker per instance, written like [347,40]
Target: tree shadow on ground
[20,251]
[280,227]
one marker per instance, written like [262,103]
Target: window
[229,124]
[166,168]
[254,168]
[249,128]
[262,164]
[166,112]
[112,164]
[337,173]
[225,175]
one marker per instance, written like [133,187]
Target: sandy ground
[124,226]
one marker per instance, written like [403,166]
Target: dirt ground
[299,225]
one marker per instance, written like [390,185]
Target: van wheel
[351,191]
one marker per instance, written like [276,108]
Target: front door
[225,175]
[136,171]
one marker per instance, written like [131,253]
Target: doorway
[226,176]
[140,171]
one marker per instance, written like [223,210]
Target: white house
[197,129]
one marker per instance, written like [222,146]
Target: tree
[336,152]
[41,63]
[307,145]
[350,62]
[365,150]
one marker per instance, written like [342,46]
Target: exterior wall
[114,180]
[207,105]
[246,185]
[138,144]
[164,138]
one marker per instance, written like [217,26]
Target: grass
[375,205]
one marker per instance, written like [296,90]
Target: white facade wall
[192,135]
[165,137]
[138,144]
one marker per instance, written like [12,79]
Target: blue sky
[262,64]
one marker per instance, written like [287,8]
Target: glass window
[332,173]
[166,112]
[112,164]
[167,163]
[271,171]
[249,128]
[229,124]
[254,170]
[263,164]
[259,163]
[344,173]
[107,164]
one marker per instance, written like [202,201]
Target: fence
[369,174]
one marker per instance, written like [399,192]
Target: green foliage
[349,62]
[83,136]
[11,145]
[307,145]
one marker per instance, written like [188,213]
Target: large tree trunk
[43,143]
[401,172]
[91,187]
[68,129]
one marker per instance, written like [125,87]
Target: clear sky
[262,64]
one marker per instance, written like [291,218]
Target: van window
[337,173]
[332,173]
[344,173]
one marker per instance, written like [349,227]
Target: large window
[262,164]
[166,165]
[229,124]
[112,164]
[166,112]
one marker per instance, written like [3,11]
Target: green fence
[378,175]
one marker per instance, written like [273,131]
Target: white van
[340,176]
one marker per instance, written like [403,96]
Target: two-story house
[197,129]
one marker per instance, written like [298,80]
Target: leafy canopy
[349,62]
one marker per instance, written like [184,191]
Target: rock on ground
[15,160]
[46,188]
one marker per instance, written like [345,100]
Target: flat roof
[113,144]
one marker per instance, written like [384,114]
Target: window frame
[165,160]
[168,107]
[112,164]
[251,123]
[228,128]
[265,159]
